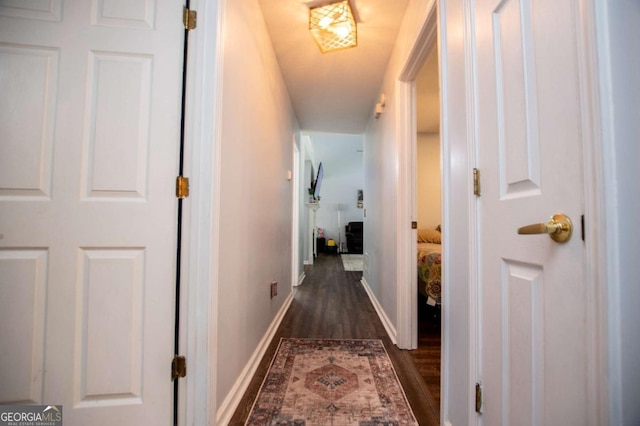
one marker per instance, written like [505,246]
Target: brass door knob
[559,228]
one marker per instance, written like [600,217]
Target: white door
[89,130]
[533,362]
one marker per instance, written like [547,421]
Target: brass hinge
[189,19]
[178,367]
[182,187]
[476,182]
[478,398]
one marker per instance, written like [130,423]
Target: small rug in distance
[331,382]
[352,262]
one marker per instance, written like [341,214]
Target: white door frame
[295,216]
[202,214]
[407,330]
[458,156]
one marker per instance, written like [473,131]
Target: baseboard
[301,278]
[231,402]
[386,322]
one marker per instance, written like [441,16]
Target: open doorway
[333,186]
[419,120]
[428,186]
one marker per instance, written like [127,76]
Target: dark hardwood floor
[427,357]
[332,304]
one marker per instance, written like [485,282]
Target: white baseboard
[301,278]
[386,322]
[231,402]
[308,262]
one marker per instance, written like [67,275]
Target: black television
[318,182]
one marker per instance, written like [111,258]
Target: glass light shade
[333,26]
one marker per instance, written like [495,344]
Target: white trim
[594,209]
[457,353]
[475,294]
[611,230]
[386,322]
[203,133]
[295,214]
[406,276]
[445,361]
[301,278]
[231,402]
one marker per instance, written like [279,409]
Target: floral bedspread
[429,271]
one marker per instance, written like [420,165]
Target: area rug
[331,382]
[352,262]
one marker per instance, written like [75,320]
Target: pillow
[429,236]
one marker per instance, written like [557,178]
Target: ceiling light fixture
[333,26]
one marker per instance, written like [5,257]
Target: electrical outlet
[274,289]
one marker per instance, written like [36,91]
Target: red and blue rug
[331,382]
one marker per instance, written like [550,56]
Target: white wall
[256,197]
[429,183]
[381,197]
[619,44]
[342,161]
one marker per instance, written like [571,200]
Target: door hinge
[189,19]
[178,367]
[182,187]
[414,225]
[476,182]
[478,398]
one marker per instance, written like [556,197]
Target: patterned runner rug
[331,382]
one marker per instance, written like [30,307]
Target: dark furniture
[353,233]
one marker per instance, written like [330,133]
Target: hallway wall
[255,205]
[382,170]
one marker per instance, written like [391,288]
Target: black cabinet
[353,232]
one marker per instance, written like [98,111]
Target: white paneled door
[533,306]
[89,131]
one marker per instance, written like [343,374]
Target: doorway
[428,213]
[420,199]
[333,186]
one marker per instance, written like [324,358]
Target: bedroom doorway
[428,212]
[420,202]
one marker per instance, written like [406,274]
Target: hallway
[331,303]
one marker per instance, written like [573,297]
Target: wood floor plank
[332,304]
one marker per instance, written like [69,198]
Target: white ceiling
[333,92]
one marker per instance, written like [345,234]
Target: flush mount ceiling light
[333,26]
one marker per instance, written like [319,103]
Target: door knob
[559,228]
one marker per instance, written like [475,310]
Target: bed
[429,265]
